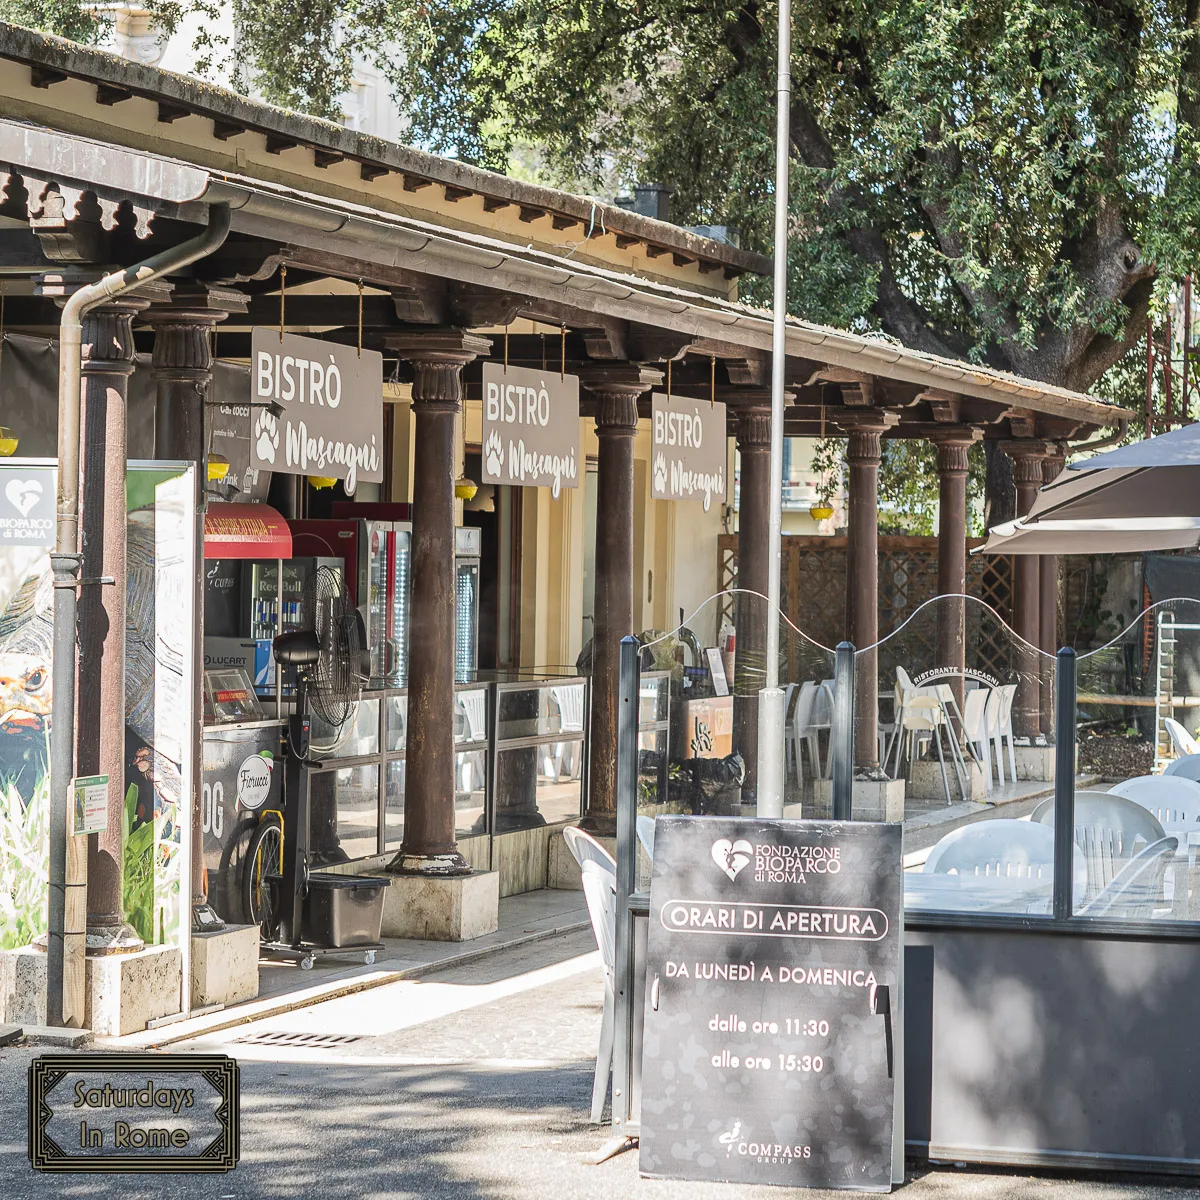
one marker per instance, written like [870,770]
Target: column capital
[616,388]
[865,430]
[619,377]
[438,357]
[1054,464]
[754,429]
[107,336]
[1027,455]
[182,327]
[953,444]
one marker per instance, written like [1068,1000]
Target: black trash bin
[343,910]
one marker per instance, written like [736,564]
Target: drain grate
[314,1041]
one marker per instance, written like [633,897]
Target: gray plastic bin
[343,910]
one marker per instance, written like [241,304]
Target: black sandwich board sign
[773,952]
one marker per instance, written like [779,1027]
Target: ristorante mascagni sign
[773,954]
[331,402]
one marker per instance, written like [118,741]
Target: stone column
[1027,459]
[952,445]
[614,391]
[865,430]
[1048,630]
[107,363]
[429,846]
[182,368]
[753,411]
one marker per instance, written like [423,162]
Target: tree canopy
[1005,181]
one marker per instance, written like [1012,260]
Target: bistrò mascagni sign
[331,399]
[530,428]
[771,983]
[688,448]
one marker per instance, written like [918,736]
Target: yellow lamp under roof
[465,489]
[322,482]
[218,468]
[8,442]
[820,512]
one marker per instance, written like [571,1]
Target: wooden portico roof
[70,202]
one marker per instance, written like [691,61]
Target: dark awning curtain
[1172,575]
[29,396]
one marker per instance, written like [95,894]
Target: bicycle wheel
[262,859]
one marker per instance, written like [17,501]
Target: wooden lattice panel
[813,597]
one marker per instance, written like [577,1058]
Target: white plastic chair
[599,889]
[1181,740]
[645,832]
[808,723]
[1185,767]
[473,706]
[975,729]
[1174,802]
[920,715]
[999,718]
[788,729]
[1003,852]
[1109,829]
[1136,890]
[570,711]
[586,849]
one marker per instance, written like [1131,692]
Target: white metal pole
[771,715]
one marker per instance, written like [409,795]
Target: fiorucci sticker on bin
[121,1113]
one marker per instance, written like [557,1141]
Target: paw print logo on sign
[660,472]
[494,452]
[266,431]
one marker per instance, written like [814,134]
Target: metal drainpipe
[66,561]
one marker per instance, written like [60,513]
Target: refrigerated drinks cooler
[377,555]
[248,603]
[468,543]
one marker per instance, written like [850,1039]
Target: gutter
[64,1005]
[257,203]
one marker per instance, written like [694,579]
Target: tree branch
[899,314]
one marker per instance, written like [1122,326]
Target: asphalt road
[472,1084]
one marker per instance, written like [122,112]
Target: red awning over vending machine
[245,531]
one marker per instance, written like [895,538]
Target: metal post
[771,766]
[841,736]
[1064,786]
[627,780]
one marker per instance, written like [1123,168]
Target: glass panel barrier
[1137,798]
[965,719]
[539,753]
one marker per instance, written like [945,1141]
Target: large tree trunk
[999,493]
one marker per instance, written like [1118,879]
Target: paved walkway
[284,987]
[472,1083]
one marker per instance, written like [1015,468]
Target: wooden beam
[653,251]
[530,214]
[561,221]
[454,194]
[494,204]
[369,172]
[224,130]
[414,183]
[327,158]
[277,143]
[44,77]
[108,94]
[170,113]
[624,241]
